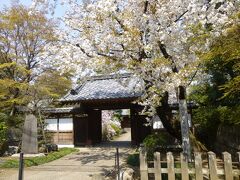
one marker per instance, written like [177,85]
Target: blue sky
[59,10]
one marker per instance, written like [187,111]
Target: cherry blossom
[157,40]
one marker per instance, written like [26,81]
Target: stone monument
[29,138]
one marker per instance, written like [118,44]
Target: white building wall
[65,124]
[51,124]
[58,127]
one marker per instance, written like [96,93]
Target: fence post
[21,166]
[157,166]
[170,166]
[238,153]
[238,157]
[198,166]
[118,168]
[184,167]
[143,163]
[227,165]
[212,165]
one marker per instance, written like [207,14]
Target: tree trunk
[172,127]
[166,116]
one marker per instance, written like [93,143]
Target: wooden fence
[198,169]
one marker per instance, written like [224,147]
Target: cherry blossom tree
[108,121]
[158,40]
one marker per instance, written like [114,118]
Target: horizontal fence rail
[180,168]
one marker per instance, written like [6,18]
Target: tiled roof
[106,87]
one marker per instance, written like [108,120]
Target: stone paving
[81,165]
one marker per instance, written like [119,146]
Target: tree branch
[162,47]
[179,17]
[83,50]
[119,22]
[193,76]
[145,6]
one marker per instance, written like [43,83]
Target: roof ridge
[108,76]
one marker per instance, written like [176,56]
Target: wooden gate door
[80,131]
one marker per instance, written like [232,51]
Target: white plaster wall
[51,124]
[65,124]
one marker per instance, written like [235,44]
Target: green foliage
[207,121]
[116,128]
[48,87]
[133,159]
[222,62]
[35,161]
[3,117]
[3,138]
[3,133]
[23,39]
[151,142]
[54,84]
[12,92]
[231,88]
[218,93]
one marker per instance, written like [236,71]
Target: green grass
[35,161]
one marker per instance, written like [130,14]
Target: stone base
[29,155]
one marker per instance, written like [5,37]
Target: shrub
[116,128]
[3,134]
[47,148]
[133,159]
[153,141]
[3,139]
[209,119]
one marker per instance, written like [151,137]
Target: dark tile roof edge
[104,99]
[58,110]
